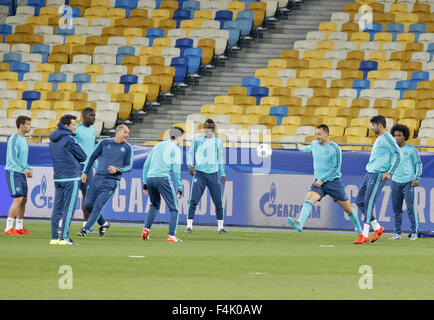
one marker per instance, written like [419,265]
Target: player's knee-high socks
[305,211]
[355,220]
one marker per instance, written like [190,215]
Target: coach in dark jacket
[66,155]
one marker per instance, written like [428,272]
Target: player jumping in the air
[327,160]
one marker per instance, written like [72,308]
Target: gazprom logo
[269,207]
[39,198]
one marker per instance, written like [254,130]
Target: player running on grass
[165,158]
[385,158]
[327,160]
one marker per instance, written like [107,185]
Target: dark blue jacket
[66,154]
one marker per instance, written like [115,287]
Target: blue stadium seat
[124,52]
[158,4]
[234,32]
[30,96]
[181,68]
[223,16]
[430,49]
[372,29]
[279,112]
[182,44]
[360,85]
[37,4]
[420,76]
[182,14]
[65,32]
[405,85]
[20,68]
[245,22]
[5,29]
[76,12]
[249,83]
[191,5]
[194,56]
[127,80]
[11,57]
[417,29]
[55,79]
[367,66]
[43,50]
[395,29]
[153,33]
[259,92]
[79,79]
[128,5]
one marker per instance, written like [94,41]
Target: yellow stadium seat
[405,104]
[15,105]
[139,92]
[259,9]
[207,46]
[203,15]
[313,54]
[289,54]
[382,104]
[100,3]
[405,38]
[66,87]
[327,28]
[412,124]
[317,102]
[378,56]
[257,110]
[325,112]
[338,103]
[383,37]
[125,101]
[359,38]
[24,29]
[237,91]
[115,13]
[153,87]
[356,131]
[130,33]
[279,92]
[360,122]
[94,70]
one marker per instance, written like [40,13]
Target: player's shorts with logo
[334,189]
[17,184]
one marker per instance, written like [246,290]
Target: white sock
[60,223]
[9,224]
[19,225]
[190,223]
[220,224]
[375,225]
[84,223]
[366,228]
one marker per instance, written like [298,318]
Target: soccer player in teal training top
[205,162]
[385,158]
[85,135]
[327,160]
[163,160]
[405,179]
[115,157]
[17,172]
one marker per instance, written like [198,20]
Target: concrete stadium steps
[252,56]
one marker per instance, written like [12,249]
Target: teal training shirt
[410,166]
[17,154]
[385,155]
[206,155]
[85,137]
[164,159]
[327,160]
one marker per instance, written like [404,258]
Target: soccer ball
[264,151]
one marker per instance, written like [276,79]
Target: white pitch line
[136,256]
[327,246]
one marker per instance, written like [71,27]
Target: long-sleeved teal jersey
[206,155]
[163,160]
[85,137]
[17,154]
[385,155]
[410,166]
[327,160]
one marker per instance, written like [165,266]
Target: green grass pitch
[243,264]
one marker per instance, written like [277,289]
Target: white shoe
[173,239]
[413,236]
[395,237]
